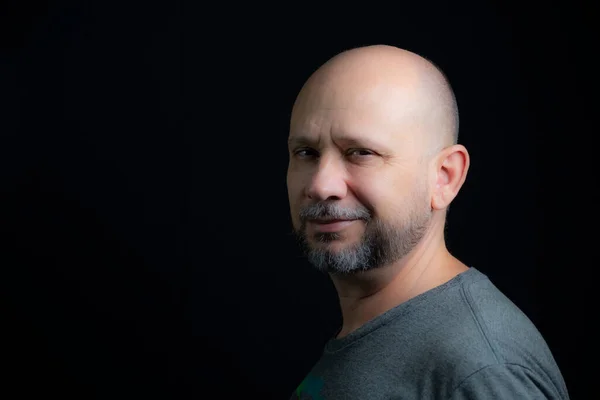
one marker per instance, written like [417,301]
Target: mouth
[330,225]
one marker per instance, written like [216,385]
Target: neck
[368,294]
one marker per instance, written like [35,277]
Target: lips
[330,225]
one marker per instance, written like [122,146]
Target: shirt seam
[466,294]
[503,364]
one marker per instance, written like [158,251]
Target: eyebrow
[294,141]
[301,140]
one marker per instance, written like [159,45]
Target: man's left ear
[451,166]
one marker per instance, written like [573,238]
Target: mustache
[331,211]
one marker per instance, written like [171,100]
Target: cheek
[298,180]
[374,191]
[292,183]
[295,196]
[386,196]
[294,201]
[294,211]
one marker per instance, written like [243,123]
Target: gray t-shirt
[461,340]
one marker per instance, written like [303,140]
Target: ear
[451,166]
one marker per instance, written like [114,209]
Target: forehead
[376,114]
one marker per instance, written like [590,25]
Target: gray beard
[381,245]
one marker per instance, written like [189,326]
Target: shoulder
[508,333]
[473,320]
[512,354]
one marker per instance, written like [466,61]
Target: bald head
[397,81]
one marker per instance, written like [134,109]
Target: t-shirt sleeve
[506,381]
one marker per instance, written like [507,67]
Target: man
[374,165]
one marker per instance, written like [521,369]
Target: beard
[381,244]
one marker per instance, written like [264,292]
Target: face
[357,183]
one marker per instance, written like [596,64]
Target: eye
[305,153]
[360,153]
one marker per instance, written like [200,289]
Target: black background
[146,247]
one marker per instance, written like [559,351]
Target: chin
[333,244]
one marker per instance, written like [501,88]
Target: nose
[328,181]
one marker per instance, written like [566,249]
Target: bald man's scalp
[374,64]
[442,89]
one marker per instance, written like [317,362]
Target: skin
[374,129]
